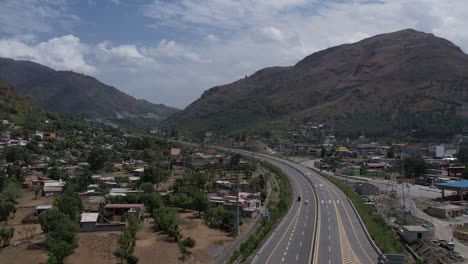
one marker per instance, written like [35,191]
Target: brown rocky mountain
[402,80]
[77,94]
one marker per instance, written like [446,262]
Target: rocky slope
[405,80]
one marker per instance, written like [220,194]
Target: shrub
[189,242]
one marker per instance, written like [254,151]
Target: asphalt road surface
[324,230]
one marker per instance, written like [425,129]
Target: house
[93,203]
[51,188]
[413,233]
[248,204]
[175,151]
[121,210]
[445,150]
[124,191]
[90,222]
[41,208]
[445,211]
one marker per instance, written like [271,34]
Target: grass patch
[378,229]
[277,210]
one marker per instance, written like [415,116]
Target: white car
[306,202]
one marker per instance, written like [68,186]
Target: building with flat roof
[459,186]
[445,211]
[413,233]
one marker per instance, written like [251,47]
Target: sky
[170,51]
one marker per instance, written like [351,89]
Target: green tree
[181,200]
[126,245]
[235,159]
[414,166]
[462,155]
[154,201]
[154,174]
[6,208]
[200,202]
[189,242]
[6,234]
[147,187]
[97,159]
[69,203]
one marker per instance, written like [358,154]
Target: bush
[189,242]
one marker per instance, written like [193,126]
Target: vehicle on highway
[306,202]
[298,198]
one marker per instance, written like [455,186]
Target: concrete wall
[411,236]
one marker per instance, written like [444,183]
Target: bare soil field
[23,253]
[151,246]
[27,199]
[95,248]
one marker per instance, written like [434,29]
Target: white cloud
[63,53]
[23,17]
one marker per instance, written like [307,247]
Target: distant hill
[401,81]
[80,95]
[22,111]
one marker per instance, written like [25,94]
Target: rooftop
[414,228]
[124,206]
[89,217]
[457,184]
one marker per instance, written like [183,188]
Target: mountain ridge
[388,75]
[78,94]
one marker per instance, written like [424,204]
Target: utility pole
[237,205]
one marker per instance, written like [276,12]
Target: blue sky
[171,51]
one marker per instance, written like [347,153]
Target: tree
[97,159]
[181,200]
[154,201]
[126,245]
[198,180]
[6,208]
[37,191]
[60,234]
[235,159]
[462,155]
[69,203]
[200,202]
[184,252]
[414,166]
[6,234]
[189,242]
[154,174]
[147,187]
[391,153]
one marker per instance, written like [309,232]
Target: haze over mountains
[397,81]
[77,94]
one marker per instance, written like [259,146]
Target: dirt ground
[95,248]
[209,242]
[31,252]
[27,199]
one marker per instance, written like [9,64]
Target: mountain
[401,81]
[77,94]
[22,111]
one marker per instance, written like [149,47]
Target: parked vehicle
[445,244]
[306,202]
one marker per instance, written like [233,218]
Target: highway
[326,230]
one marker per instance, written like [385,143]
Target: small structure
[458,186]
[88,222]
[51,188]
[41,208]
[93,203]
[413,233]
[446,211]
[122,210]
[91,222]
[365,188]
